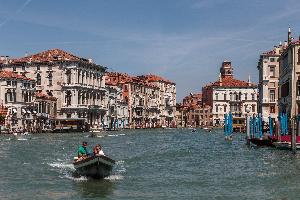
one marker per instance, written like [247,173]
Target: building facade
[17,96]
[77,83]
[230,95]
[166,98]
[268,67]
[289,77]
[193,113]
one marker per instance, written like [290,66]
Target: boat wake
[62,166]
[115,135]
[114,177]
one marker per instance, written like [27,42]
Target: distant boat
[194,130]
[207,129]
[97,167]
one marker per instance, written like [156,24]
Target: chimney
[285,43]
[280,44]
[249,81]
[90,60]
[220,79]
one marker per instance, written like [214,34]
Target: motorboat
[97,166]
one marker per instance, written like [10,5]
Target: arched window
[68,98]
[78,76]
[50,76]
[8,96]
[38,79]
[68,74]
[299,55]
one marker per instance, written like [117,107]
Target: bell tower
[226,69]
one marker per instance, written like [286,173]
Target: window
[217,96]
[14,68]
[78,76]
[68,98]
[272,71]
[272,59]
[8,96]
[225,110]
[299,55]
[285,89]
[298,86]
[272,109]
[38,68]
[253,108]
[23,67]
[225,97]
[272,95]
[217,108]
[246,96]
[38,79]
[68,74]
[253,96]
[8,83]
[50,78]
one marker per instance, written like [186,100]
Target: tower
[289,36]
[226,69]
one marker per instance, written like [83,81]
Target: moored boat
[98,166]
[263,141]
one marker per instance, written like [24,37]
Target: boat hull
[262,142]
[285,145]
[97,167]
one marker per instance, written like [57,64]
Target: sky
[182,40]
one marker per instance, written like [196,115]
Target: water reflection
[95,188]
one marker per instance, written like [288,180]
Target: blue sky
[182,40]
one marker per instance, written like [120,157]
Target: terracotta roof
[41,95]
[192,100]
[114,78]
[230,82]
[270,53]
[49,56]
[155,78]
[10,74]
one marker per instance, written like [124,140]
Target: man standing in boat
[82,151]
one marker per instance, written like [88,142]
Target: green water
[151,164]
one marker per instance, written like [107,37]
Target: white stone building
[289,78]
[230,95]
[17,94]
[268,67]
[77,83]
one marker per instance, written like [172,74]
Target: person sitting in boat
[82,151]
[98,150]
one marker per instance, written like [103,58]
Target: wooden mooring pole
[293,140]
[248,129]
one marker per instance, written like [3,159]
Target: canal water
[151,164]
